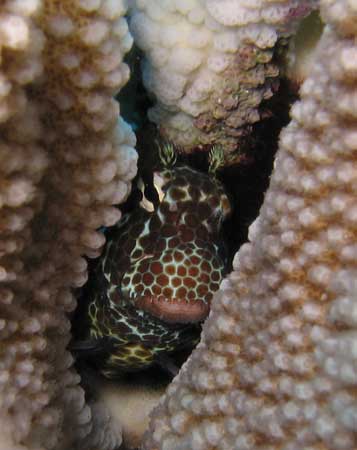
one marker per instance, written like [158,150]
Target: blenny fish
[155,280]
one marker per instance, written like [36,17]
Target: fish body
[155,280]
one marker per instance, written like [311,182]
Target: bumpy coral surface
[156,278]
[276,367]
[65,159]
[209,63]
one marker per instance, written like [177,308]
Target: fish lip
[174,310]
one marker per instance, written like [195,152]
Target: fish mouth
[174,310]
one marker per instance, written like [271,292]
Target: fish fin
[167,364]
[88,346]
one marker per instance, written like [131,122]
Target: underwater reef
[276,366]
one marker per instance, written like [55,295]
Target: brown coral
[65,159]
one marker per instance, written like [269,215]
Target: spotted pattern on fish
[156,278]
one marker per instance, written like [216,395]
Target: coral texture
[209,63]
[66,157]
[276,366]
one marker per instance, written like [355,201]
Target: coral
[276,368]
[66,157]
[276,365]
[209,64]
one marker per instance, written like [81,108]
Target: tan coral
[276,366]
[66,157]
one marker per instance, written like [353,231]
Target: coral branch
[276,367]
[65,159]
[209,64]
